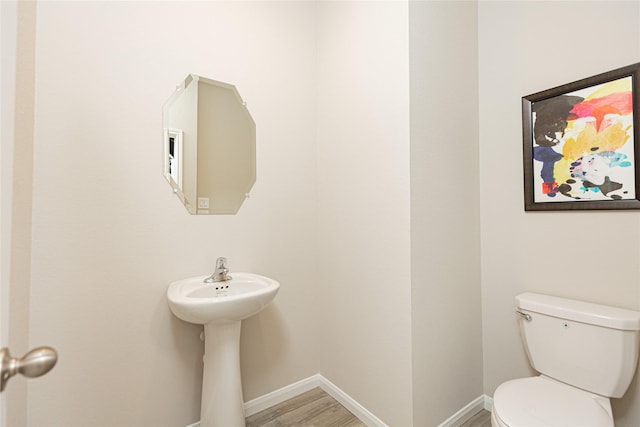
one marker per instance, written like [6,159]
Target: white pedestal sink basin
[220,307]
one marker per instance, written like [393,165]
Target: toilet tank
[590,346]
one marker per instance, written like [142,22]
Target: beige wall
[363,179]
[108,234]
[445,227]
[526,47]
[335,215]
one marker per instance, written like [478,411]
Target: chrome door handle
[37,362]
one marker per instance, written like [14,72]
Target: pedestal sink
[220,307]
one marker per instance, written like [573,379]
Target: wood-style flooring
[316,408]
[481,419]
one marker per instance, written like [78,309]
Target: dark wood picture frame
[581,144]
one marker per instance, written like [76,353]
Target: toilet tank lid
[580,311]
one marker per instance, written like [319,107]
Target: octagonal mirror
[209,146]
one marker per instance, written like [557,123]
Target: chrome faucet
[221,272]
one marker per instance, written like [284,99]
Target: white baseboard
[273,398]
[268,400]
[351,404]
[488,403]
[472,408]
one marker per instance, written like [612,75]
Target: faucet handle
[221,263]
[220,273]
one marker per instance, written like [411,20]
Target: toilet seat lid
[540,401]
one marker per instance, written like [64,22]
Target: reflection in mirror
[209,146]
[173,157]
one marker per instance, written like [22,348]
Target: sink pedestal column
[222,403]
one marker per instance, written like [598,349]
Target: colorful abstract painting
[582,145]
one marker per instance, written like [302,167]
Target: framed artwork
[580,144]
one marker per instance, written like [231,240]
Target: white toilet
[586,353]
